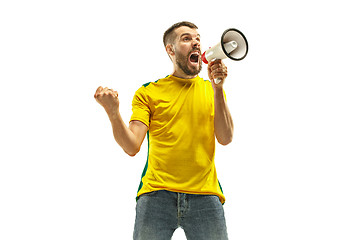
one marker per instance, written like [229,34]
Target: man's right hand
[107,98]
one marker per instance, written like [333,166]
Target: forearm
[123,135]
[223,123]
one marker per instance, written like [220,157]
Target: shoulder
[146,87]
[149,89]
[150,85]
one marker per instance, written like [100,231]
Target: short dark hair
[169,36]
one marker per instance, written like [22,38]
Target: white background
[291,172]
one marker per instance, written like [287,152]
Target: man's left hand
[217,70]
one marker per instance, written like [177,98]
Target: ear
[170,49]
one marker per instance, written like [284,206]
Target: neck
[184,76]
[180,74]
[183,80]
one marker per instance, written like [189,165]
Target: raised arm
[223,123]
[129,138]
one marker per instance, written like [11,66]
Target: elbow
[225,141]
[224,133]
[132,152]
[129,149]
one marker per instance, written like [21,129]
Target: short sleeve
[140,107]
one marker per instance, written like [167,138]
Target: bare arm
[223,124]
[129,138]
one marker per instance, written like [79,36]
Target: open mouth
[194,57]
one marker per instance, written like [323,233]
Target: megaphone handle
[217,80]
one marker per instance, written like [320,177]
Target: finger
[219,71]
[220,75]
[218,66]
[113,94]
[214,67]
[109,92]
[104,91]
[210,64]
[98,90]
[216,61]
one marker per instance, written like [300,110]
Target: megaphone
[233,45]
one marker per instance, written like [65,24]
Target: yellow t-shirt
[181,140]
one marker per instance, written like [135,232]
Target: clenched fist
[107,98]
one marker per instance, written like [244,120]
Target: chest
[186,104]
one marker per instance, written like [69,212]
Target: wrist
[219,95]
[113,114]
[218,89]
[219,85]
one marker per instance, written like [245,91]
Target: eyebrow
[198,35]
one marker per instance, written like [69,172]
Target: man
[181,115]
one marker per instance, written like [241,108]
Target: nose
[196,43]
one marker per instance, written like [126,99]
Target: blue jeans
[160,213]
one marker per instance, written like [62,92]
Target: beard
[182,62]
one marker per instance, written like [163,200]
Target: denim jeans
[160,213]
